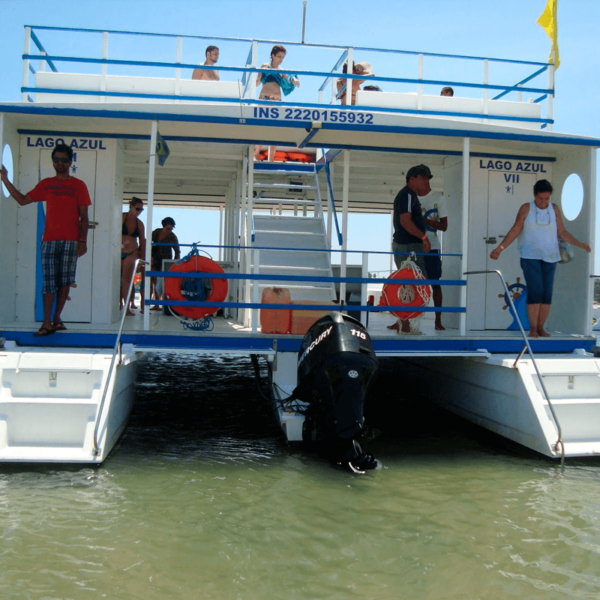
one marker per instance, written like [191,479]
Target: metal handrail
[337,225]
[116,350]
[559,441]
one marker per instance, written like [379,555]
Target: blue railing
[541,92]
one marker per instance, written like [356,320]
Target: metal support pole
[255,288]
[178,69]
[364,287]
[345,200]
[304,3]
[150,207]
[253,75]
[420,86]
[349,82]
[221,233]
[486,80]
[329,207]
[590,194]
[550,99]
[103,68]
[26,50]
[464,262]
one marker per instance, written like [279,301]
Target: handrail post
[464,229]
[420,86]
[486,80]
[42,66]
[253,65]
[328,174]
[550,98]
[151,171]
[104,66]
[364,287]
[349,82]
[178,69]
[26,50]
[255,288]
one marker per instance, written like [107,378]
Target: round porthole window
[7,161]
[571,199]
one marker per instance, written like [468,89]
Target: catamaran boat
[145,128]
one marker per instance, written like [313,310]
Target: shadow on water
[211,405]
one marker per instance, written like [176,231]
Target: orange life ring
[281,156]
[218,287]
[405,294]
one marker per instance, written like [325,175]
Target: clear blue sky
[503,29]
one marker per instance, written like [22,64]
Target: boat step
[46,454]
[284,172]
[574,401]
[37,400]
[281,186]
[262,200]
[591,448]
[204,350]
[312,234]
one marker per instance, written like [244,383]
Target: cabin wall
[571,303]
[452,238]
[9,210]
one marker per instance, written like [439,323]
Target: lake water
[203,499]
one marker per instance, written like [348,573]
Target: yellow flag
[549,22]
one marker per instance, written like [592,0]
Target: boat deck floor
[167,333]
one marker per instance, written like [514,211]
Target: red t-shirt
[63,197]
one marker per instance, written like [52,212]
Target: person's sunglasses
[139,208]
[62,159]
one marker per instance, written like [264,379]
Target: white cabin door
[507,191]
[79,308]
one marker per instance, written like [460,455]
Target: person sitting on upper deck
[132,231]
[447,91]
[361,68]
[541,224]
[212,56]
[272,86]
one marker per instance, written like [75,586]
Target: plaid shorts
[59,261]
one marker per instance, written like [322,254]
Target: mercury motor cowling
[336,364]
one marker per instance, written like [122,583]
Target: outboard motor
[336,363]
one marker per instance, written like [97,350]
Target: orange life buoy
[281,156]
[216,289]
[408,295]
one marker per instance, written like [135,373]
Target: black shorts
[433,264]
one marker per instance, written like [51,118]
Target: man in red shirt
[65,235]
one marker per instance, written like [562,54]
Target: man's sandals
[58,326]
[43,332]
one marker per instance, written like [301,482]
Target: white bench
[129,85]
[453,104]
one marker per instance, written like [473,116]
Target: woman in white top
[542,227]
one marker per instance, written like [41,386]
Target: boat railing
[559,442]
[116,354]
[390,62]
[252,275]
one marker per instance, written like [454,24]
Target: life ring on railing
[202,290]
[411,296]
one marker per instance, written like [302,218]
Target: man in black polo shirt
[409,227]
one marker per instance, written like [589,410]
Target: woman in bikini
[272,86]
[131,250]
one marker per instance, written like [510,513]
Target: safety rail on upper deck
[405,95]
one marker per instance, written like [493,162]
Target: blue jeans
[539,277]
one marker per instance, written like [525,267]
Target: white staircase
[50,401]
[289,187]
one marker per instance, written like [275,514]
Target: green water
[202,499]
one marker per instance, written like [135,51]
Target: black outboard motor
[336,363]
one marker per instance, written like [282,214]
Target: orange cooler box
[272,320]
[302,319]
